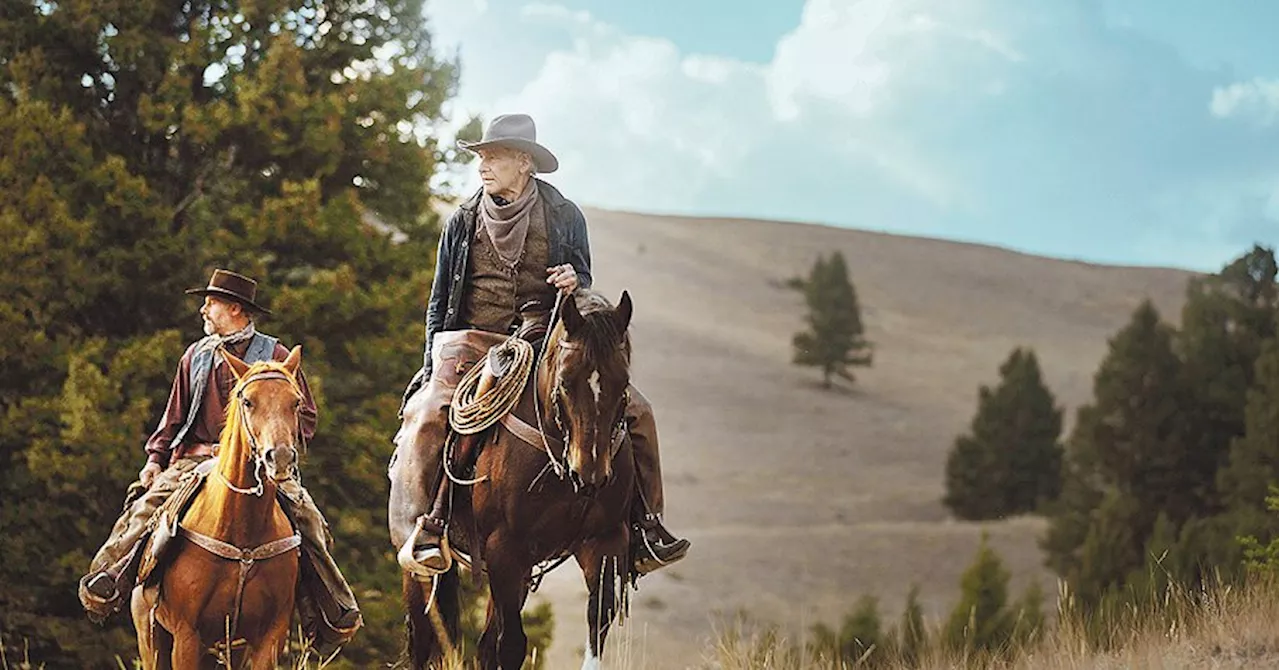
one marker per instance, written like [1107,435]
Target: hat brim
[214,291]
[543,160]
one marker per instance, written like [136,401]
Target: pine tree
[1227,320]
[834,340]
[1010,462]
[981,620]
[1127,460]
[1252,464]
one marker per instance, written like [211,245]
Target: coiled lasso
[470,414]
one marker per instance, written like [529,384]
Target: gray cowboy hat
[518,132]
[232,286]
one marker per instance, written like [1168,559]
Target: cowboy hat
[232,286]
[518,132]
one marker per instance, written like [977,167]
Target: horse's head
[265,405]
[590,369]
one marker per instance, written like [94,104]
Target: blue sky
[1137,132]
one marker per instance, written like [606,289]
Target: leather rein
[228,551]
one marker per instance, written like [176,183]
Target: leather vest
[495,290]
[261,348]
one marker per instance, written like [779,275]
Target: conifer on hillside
[1010,461]
[834,340]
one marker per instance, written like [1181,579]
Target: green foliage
[859,642]
[981,620]
[1227,321]
[834,340]
[1260,558]
[911,638]
[1010,461]
[984,621]
[143,144]
[1126,461]
[1171,461]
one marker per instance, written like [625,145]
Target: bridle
[256,451]
[558,402]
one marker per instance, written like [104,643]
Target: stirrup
[424,564]
[100,583]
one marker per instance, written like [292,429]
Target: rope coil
[470,413]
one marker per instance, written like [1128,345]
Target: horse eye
[247,404]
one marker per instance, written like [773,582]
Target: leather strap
[527,433]
[233,553]
[246,558]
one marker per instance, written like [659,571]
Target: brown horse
[233,574]
[522,514]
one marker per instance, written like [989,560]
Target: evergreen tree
[834,340]
[981,620]
[1252,468]
[1227,320]
[859,641]
[1010,462]
[1128,458]
[143,144]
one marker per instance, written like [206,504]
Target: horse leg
[434,635]
[155,645]
[188,651]
[264,657]
[603,562]
[508,588]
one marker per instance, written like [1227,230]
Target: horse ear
[573,320]
[294,361]
[238,367]
[623,311]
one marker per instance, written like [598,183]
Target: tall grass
[1218,626]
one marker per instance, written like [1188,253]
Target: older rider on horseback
[514,243]
[188,435]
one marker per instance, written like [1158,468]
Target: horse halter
[259,456]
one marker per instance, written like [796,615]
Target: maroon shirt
[209,421]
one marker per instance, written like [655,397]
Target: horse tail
[433,634]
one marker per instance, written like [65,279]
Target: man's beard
[209,328]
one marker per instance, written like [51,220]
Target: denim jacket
[567,243]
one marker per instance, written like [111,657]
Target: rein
[226,550]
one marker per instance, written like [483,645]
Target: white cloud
[1044,130]
[1257,100]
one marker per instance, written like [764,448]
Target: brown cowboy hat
[516,131]
[232,286]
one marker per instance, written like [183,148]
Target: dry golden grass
[1222,627]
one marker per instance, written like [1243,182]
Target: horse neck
[242,518]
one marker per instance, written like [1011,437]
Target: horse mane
[600,336]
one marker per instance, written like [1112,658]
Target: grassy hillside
[798,500]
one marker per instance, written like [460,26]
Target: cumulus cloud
[1040,128]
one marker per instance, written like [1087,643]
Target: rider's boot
[652,545]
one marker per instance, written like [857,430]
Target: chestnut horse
[233,574]
[522,514]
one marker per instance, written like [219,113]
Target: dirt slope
[798,500]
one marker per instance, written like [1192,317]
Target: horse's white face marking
[594,381]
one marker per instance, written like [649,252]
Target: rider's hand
[148,474]
[563,277]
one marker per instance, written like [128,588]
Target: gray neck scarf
[508,225]
[243,335]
